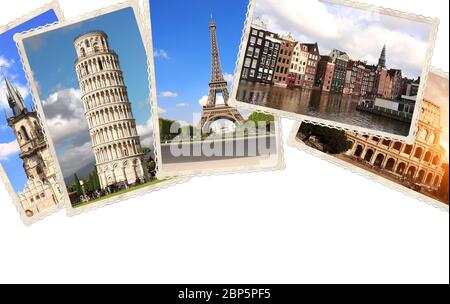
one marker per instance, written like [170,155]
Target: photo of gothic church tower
[112,126]
[41,191]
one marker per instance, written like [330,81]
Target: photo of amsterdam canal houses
[420,169]
[91,80]
[196,129]
[26,166]
[338,63]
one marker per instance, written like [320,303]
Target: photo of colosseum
[422,166]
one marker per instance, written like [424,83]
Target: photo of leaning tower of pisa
[91,82]
[114,137]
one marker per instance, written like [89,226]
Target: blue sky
[52,55]
[12,68]
[182,33]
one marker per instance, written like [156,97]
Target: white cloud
[65,115]
[203,101]
[146,134]
[5,63]
[9,149]
[76,158]
[161,111]
[161,54]
[361,34]
[181,105]
[168,94]
[228,77]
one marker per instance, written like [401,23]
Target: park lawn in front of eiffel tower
[119,193]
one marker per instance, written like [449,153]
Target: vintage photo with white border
[89,78]
[26,166]
[419,170]
[339,63]
[196,131]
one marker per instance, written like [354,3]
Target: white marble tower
[112,127]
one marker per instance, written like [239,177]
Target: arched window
[427,157]
[423,135]
[401,168]
[431,139]
[419,152]
[83,52]
[429,180]
[390,164]
[100,64]
[397,146]
[436,160]
[408,149]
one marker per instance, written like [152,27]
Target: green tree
[151,165]
[77,186]
[146,150]
[166,127]
[257,118]
[334,141]
[95,180]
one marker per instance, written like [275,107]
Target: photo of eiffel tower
[212,111]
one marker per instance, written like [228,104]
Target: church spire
[382,60]
[14,98]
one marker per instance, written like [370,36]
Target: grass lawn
[131,189]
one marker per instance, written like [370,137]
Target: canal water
[333,107]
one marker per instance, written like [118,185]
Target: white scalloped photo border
[434,22]
[294,142]
[36,97]
[278,164]
[53,5]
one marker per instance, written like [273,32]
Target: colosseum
[420,163]
[112,127]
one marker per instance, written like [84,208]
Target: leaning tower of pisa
[112,127]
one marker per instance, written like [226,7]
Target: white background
[313,223]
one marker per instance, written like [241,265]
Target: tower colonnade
[112,127]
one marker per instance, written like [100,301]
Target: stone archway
[379,160]
[369,155]
[418,153]
[437,181]
[421,176]
[411,172]
[359,151]
[429,180]
[436,160]
[390,164]
[401,168]
[427,157]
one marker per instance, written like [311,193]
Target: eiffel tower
[212,111]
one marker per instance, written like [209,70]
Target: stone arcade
[420,162]
[114,137]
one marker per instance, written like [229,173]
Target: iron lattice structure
[212,111]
